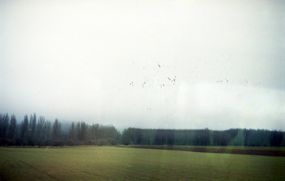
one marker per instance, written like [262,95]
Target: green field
[121,163]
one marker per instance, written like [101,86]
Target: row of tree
[203,137]
[38,131]
[35,130]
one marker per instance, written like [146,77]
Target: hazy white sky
[159,64]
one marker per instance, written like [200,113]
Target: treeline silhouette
[37,131]
[203,137]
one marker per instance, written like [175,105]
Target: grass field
[120,163]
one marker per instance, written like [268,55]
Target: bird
[172,80]
[223,81]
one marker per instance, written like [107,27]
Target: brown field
[262,151]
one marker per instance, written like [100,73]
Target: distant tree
[170,137]
[2,128]
[276,138]
[125,139]
[72,134]
[5,125]
[25,130]
[12,129]
[56,133]
[40,131]
[93,134]
[32,129]
[47,133]
[78,131]
[201,137]
[257,137]
[239,139]
[83,132]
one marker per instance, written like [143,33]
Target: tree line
[37,131]
[203,137]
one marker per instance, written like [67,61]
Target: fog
[149,64]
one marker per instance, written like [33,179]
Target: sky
[214,64]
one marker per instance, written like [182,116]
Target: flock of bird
[169,80]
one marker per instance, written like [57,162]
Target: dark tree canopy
[37,131]
[203,137]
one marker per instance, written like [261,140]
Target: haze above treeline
[149,64]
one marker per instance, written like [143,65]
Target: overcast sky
[145,63]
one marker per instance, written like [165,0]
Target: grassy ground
[119,163]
